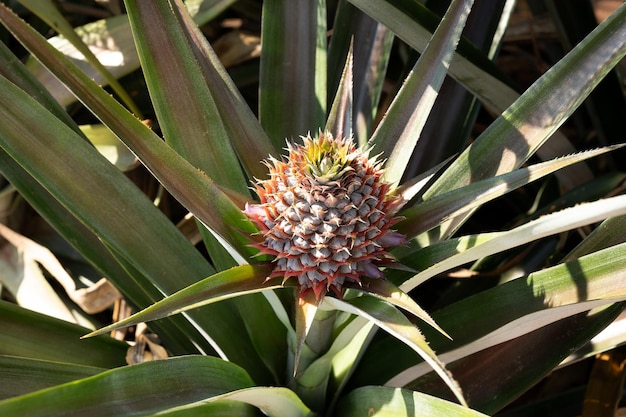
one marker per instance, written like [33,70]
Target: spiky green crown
[325,214]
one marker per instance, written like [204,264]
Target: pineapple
[325,215]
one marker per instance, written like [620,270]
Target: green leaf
[248,137]
[433,211]
[371,44]
[393,321]
[140,389]
[340,122]
[520,306]
[91,247]
[536,115]
[184,106]
[272,401]
[292,91]
[185,182]
[36,336]
[469,248]
[402,125]
[187,113]
[112,41]
[329,372]
[223,408]
[15,71]
[122,216]
[23,375]
[388,402]
[387,291]
[500,380]
[232,283]
[414,24]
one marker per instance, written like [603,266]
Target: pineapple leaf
[403,123]
[28,334]
[272,401]
[24,375]
[414,24]
[397,402]
[119,57]
[237,281]
[187,113]
[393,321]
[430,213]
[521,306]
[387,291]
[474,247]
[340,122]
[292,91]
[188,184]
[121,391]
[537,114]
[248,137]
[184,105]
[371,44]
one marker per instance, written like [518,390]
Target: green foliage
[533,252]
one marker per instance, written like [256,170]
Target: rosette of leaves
[282,331]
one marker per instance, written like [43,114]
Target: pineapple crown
[326,158]
[325,215]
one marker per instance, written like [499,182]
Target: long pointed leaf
[401,128]
[131,390]
[248,137]
[190,186]
[47,11]
[36,336]
[340,118]
[292,91]
[520,306]
[391,320]
[536,115]
[475,247]
[386,401]
[234,282]
[20,375]
[272,401]
[431,212]
[371,46]
[184,105]
[122,216]
[387,291]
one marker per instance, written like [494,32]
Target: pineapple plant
[269,294]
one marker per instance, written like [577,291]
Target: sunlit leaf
[272,401]
[403,123]
[386,401]
[391,320]
[536,115]
[471,248]
[433,211]
[183,103]
[520,306]
[234,282]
